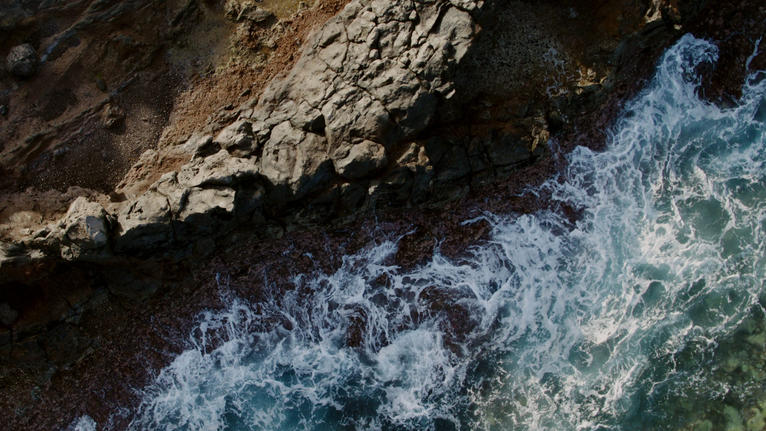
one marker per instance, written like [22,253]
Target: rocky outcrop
[407,103]
[366,85]
[368,116]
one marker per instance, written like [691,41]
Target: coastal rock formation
[396,103]
[367,83]
[376,84]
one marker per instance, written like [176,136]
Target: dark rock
[62,344]
[22,61]
[7,314]
[453,165]
[112,116]
[507,150]
[352,196]
[248,201]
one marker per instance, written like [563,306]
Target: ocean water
[646,313]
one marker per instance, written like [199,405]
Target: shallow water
[647,313]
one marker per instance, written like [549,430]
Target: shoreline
[140,328]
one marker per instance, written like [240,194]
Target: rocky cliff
[373,113]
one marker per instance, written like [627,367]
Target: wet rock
[63,344]
[450,158]
[22,61]
[360,160]
[507,150]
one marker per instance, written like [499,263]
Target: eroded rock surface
[366,84]
[384,106]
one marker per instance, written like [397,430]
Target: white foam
[548,325]
[83,423]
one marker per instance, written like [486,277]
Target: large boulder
[145,224]
[84,230]
[219,169]
[204,211]
[22,61]
[360,160]
[295,163]
[237,138]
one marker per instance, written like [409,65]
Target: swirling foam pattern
[646,313]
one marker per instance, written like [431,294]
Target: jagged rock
[370,78]
[353,114]
[7,314]
[219,169]
[144,224]
[203,211]
[199,145]
[237,138]
[203,201]
[295,162]
[393,96]
[84,230]
[359,160]
[22,61]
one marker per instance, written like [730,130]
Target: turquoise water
[648,313]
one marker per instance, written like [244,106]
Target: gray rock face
[219,169]
[199,145]
[360,160]
[237,138]
[203,201]
[22,61]
[294,162]
[375,72]
[145,224]
[84,230]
